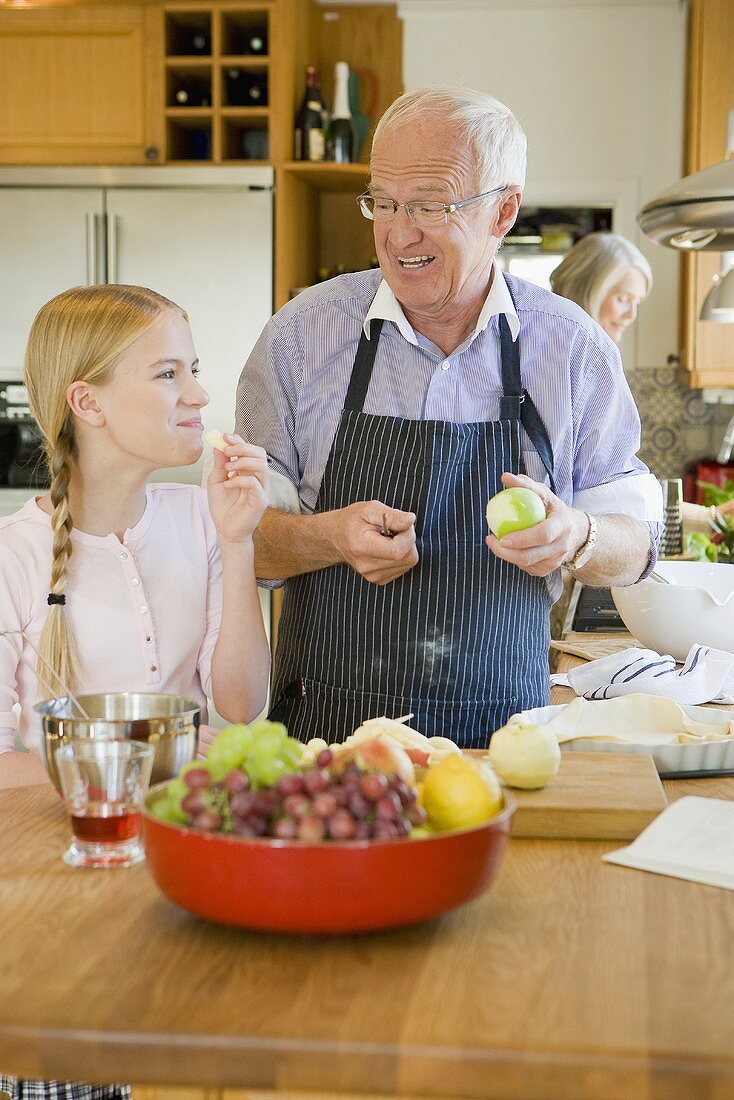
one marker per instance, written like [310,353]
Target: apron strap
[364,361]
[517,404]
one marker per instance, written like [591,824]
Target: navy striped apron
[461,640]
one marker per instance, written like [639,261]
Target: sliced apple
[215,439]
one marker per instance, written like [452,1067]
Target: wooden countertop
[570,979]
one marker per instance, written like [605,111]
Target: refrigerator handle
[91,248]
[111,248]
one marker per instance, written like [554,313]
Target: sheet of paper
[692,839]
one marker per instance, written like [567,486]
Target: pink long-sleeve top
[144,611]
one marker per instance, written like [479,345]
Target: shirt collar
[386,306]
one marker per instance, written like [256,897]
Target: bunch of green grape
[263,751]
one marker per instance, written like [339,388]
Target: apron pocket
[333,713]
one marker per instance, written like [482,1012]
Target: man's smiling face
[443,270]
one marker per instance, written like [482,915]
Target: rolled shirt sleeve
[213,602]
[608,478]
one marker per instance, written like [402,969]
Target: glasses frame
[408,207]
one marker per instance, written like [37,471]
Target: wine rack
[217,83]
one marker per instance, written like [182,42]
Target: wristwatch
[586,549]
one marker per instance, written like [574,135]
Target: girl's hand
[237,489]
[207,736]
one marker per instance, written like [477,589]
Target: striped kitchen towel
[706,676]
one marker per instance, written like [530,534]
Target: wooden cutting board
[598,795]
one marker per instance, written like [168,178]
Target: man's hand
[378,558]
[541,549]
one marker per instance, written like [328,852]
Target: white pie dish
[675,759]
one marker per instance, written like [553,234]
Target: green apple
[514,510]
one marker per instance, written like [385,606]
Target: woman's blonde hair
[77,336]
[592,267]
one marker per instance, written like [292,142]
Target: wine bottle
[246,89]
[255,41]
[188,92]
[309,134]
[340,144]
[199,41]
[246,41]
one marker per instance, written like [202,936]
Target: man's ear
[83,403]
[507,213]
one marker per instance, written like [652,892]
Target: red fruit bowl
[334,886]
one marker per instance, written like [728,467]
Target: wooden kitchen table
[571,978]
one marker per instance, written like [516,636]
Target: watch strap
[584,552]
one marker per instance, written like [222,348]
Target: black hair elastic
[53,598]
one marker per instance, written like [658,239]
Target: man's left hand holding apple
[621,552]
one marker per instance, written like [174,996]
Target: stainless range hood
[696,214]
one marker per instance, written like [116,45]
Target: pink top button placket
[142,605]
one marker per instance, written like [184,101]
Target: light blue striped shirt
[292,388]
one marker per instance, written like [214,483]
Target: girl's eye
[167,374]
[196,371]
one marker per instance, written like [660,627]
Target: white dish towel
[707,676]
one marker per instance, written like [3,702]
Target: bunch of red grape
[319,803]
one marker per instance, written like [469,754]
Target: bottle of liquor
[188,92]
[309,135]
[340,144]
[246,89]
[199,41]
[246,41]
[255,41]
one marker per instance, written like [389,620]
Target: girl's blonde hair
[76,337]
[593,266]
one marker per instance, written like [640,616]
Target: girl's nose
[195,394]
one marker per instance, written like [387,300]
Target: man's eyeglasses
[424,214]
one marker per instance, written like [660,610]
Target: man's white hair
[489,128]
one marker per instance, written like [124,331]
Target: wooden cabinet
[708,346]
[210,82]
[78,86]
[318,224]
[219,79]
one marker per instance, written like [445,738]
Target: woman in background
[607,276]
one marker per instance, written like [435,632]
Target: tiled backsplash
[677,425]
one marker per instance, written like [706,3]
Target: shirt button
[154,668]
[123,553]
[148,638]
[446,365]
[143,608]
[135,581]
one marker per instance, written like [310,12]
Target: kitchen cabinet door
[48,245]
[210,251]
[78,85]
[708,345]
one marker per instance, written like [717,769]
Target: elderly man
[393,404]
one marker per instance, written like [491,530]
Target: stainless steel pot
[169,722]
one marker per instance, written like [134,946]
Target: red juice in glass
[106,823]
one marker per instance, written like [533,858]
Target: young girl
[122,585]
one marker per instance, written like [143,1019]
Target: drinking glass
[103,784]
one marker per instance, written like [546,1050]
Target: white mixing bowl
[696,607]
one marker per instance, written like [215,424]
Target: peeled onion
[524,754]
